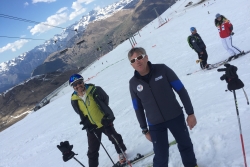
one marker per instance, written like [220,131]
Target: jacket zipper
[154,99]
[157,103]
[88,110]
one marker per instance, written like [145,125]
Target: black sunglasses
[74,84]
[137,58]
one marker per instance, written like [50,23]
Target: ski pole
[103,147]
[241,136]
[78,161]
[245,96]
[122,151]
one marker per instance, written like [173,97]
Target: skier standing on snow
[91,103]
[225,29]
[196,43]
[151,90]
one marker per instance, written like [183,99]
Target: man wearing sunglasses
[158,110]
[91,103]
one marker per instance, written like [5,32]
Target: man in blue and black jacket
[157,108]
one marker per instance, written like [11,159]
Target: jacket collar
[88,87]
[151,68]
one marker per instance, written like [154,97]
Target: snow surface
[32,141]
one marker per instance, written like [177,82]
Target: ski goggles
[79,82]
[137,58]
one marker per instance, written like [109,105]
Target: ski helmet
[74,78]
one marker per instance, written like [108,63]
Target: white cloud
[46,1]
[14,46]
[29,27]
[78,8]
[76,13]
[97,8]
[85,1]
[61,15]
[26,4]
[54,20]
[62,10]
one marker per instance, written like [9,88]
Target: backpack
[189,39]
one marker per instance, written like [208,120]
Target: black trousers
[159,136]
[203,57]
[94,144]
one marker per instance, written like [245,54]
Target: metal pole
[134,39]
[121,150]
[139,33]
[78,161]
[130,42]
[104,148]
[241,136]
[246,96]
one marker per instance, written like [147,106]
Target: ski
[139,157]
[216,65]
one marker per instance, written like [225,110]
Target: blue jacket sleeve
[179,88]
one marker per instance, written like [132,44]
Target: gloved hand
[109,130]
[231,77]
[88,125]
[66,150]
[198,61]
[91,128]
[107,121]
[232,33]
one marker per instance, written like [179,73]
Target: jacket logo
[139,88]
[158,78]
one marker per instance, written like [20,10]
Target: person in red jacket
[225,29]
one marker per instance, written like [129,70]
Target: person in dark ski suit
[158,110]
[91,103]
[199,46]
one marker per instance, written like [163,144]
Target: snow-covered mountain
[20,68]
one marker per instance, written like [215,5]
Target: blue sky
[60,13]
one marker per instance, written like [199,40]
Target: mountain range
[20,68]
[69,52]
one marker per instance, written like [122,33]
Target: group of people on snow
[155,105]
[152,92]
[225,29]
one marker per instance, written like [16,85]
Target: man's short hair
[138,50]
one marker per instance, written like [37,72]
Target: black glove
[145,131]
[91,128]
[88,125]
[107,121]
[231,77]
[232,33]
[109,130]
[66,150]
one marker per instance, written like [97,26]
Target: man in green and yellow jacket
[91,103]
